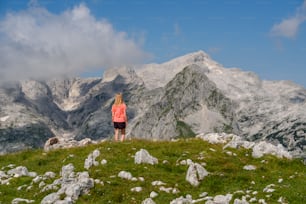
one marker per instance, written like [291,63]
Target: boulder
[143,157]
[148,201]
[91,159]
[195,174]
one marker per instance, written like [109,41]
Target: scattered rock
[259,149]
[195,174]
[169,190]
[182,200]
[148,201]
[237,142]
[103,161]
[143,157]
[49,174]
[125,175]
[269,189]
[158,183]
[22,200]
[91,159]
[249,167]
[262,201]
[21,171]
[72,185]
[215,138]
[3,175]
[224,199]
[263,148]
[136,189]
[153,194]
[243,201]
[51,198]
[203,194]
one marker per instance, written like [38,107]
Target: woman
[119,117]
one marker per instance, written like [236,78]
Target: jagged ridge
[189,94]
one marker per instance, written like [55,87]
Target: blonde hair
[118,99]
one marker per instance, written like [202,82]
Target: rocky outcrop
[59,143]
[72,185]
[259,149]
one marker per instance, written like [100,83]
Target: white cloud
[38,44]
[289,27]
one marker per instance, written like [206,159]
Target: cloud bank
[37,44]
[289,27]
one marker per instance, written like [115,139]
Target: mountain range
[184,97]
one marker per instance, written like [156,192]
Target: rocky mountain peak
[158,75]
[199,57]
[190,97]
[128,73]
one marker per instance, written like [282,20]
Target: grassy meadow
[225,167]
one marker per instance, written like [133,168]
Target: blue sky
[267,37]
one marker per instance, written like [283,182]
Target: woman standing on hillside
[119,117]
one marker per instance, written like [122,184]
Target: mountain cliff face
[190,103]
[186,96]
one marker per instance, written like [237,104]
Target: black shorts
[119,125]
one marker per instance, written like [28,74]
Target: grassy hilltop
[225,167]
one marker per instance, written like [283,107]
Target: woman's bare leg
[122,134]
[116,134]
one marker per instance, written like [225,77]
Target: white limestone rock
[136,189]
[148,201]
[67,171]
[269,188]
[258,149]
[125,175]
[143,157]
[22,200]
[51,198]
[215,138]
[91,159]
[238,201]
[103,161]
[158,183]
[153,194]
[249,167]
[3,175]
[182,200]
[224,199]
[237,142]
[71,184]
[195,174]
[21,171]
[73,191]
[263,148]
[169,189]
[49,174]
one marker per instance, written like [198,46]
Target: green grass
[226,172]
